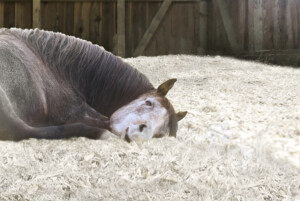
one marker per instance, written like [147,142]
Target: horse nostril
[141,127]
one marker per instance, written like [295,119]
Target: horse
[54,86]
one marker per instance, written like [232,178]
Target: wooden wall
[96,21]
[259,25]
[253,25]
[93,21]
[16,13]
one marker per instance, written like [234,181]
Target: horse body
[57,86]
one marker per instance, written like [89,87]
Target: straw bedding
[239,141]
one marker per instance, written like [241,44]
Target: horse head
[149,116]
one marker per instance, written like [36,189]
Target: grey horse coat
[55,86]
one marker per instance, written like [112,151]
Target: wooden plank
[268,29]
[121,28]
[153,47]
[242,23]
[211,26]
[168,31]
[177,33]
[298,23]
[181,32]
[19,15]
[48,16]
[276,27]
[152,28]
[78,25]
[85,16]
[295,25]
[68,18]
[251,48]
[9,15]
[100,22]
[221,40]
[228,24]
[190,41]
[109,26]
[258,24]
[82,19]
[1,14]
[36,14]
[196,28]
[163,37]
[202,27]
[289,25]
[139,22]
[58,17]
[282,24]
[114,26]
[128,30]
[94,23]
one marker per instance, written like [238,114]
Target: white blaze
[140,120]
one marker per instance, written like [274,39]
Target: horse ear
[180,115]
[164,88]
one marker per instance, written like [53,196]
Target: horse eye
[148,103]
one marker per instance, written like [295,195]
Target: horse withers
[54,86]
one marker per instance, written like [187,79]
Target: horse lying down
[54,86]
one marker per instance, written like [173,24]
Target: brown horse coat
[56,86]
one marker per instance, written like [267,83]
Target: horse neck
[103,80]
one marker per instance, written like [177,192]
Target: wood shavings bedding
[240,141]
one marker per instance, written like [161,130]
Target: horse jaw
[142,119]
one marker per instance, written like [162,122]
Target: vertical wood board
[268,28]
[282,24]
[109,25]
[128,30]
[150,10]
[36,13]
[1,14]
[85,17]
[94,21]
[276,26]
[68,18]
[100,23]
[121,28]
[152,27]
[242,23]
[9,14]
[228,24]
[23,19]
[289,25]
[177,32]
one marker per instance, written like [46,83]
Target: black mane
[102,79]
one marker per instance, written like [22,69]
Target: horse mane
[102,79]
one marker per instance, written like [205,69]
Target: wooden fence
[256,24]
[268,30]
[249,28]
